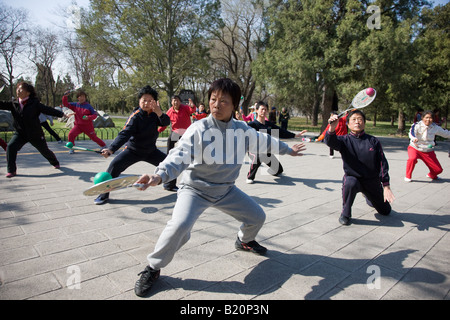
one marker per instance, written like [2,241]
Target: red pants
[89,131]
[3,144]
[429,158]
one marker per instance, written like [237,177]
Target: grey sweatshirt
[211,153]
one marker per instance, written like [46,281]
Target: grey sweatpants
[189,206]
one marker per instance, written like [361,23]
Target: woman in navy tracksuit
[365,166]
[260,123]
[141,133]
[25,112]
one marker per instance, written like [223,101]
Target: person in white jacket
[210,155]
[422,144]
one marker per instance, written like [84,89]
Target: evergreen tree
[434,44]
[321,47]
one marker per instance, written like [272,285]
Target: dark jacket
[140,131]
[26,121]
[284,117]
[269,126]
[362,155]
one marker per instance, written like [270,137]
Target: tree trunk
[327,104]
[401,122]
[375,118]
[315,113]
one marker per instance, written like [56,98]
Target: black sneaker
[345,221]
[251,246]
[145,282]
[101,199]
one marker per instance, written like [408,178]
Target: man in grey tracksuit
[210,155]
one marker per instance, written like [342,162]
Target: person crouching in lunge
[365,166]
[421,146]
[205,184]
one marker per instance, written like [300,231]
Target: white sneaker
[71,151]
[407,179]
[249,181]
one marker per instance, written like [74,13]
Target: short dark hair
[431,113]
[226,85]
[82,93]
[148,90]
[262,103]
[356,111]
[28,87]
[175,97]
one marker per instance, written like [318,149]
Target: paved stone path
[52,236]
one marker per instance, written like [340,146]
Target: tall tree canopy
[160,42]
[321,47]
[434,42]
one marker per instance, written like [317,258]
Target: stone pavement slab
[56,244]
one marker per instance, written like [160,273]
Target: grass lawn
[295,124]
[382,128]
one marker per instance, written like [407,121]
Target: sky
[439,2]
[47,13]
[50,13]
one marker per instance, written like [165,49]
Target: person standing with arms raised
[180,119]
[84,117]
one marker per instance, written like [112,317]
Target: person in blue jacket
[140,133]
[365,166]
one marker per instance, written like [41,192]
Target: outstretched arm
[298,135]
[297,150]
[149,181]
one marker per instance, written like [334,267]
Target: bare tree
[13,27]
[44,48]
[79,58]
[238,43]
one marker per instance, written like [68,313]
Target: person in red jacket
[84,117]
[201,113]
[341,130]
[180,119]
[3,144]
